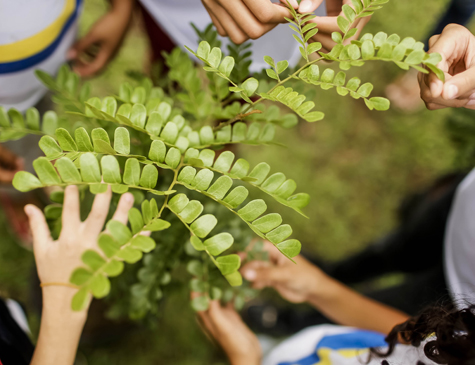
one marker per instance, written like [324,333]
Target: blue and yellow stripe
[348,345]
[30,51]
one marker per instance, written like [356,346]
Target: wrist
[320,288]
[57,304]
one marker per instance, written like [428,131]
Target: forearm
[347,307]
[122,7]
[60,328]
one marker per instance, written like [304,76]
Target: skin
[456,45]
[300,282]
[10,164]
[241,20]
[92,52]
[61,327]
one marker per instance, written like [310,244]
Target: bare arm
[304,282]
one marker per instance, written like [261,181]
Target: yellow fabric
[324,354]
[38,42]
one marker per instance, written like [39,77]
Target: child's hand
[56,260]
[225,325]
[10,164]
[295,282]
[107,35]
[456,45]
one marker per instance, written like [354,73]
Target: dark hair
[454,335]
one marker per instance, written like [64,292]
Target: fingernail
[129,198]
[305,6]
[435,89]
[250,275]
[471,102]
[452,91]
[472,96]
[29,210]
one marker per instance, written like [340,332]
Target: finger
[6,176]
[293,3]
[97,64]
[219,28]
[266,275]
[267,12]
[96,219]
[435,106]
[39,227]
[245,20]
[230,26]
[71,215]
[122,212]
[433,39]
[309,6]
[81,46]
[460,84]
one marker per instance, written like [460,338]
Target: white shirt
[338,345]
[460,244]
[175,17]
[20,21]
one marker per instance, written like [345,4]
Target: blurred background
[357,165]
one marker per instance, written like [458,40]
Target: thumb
[309,6]
[39,227]
[269,275]
[460,84]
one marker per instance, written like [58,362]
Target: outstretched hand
[56,260]
[456,45]
[225,325]
[294,282]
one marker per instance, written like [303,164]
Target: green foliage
[161,143]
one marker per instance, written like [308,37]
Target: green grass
[357,165]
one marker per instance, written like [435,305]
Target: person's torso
[460,243]
[34,34]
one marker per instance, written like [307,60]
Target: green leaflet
[279,234]
[122,141]
[46,172]
[68,171]
[219,243]
[149,177]
[66,142]
[24,181]
[132,172]
[253,210]
[90,171]
[228,264]
[110,170]
[204,225]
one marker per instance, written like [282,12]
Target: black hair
[449,332]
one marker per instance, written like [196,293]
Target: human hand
[225,325]
[56,260]
[328,24]
[102,41]
[10,164]
[295,282]
[241,20]
[456,45]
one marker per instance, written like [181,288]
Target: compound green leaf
[132,172]
[173,157]
[157,151]
[250,86]
[67,170]
[192,211]
[93,259]
[119,231]
[253,210]
[291,248]
[129,254]
[135,220]
[138,115]
[122,141]
[149,177]
[143,243]
[108,244]
[220,187]
[260,172]
[178,203]
[65,140]
[156,225]
[83,141]
[228,264]
[90,171]
[268,222]
[203,179]
[24,181]
[50,148]
[218,243]
[113,268]
[203,225]
[187,174]
[110,170]
[279,234]
[46,172]
[80,276]
[80,299]
[234,279]
[240,168]
[273,182]
[237,196]
[224,161]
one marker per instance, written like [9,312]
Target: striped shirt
[34,34]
